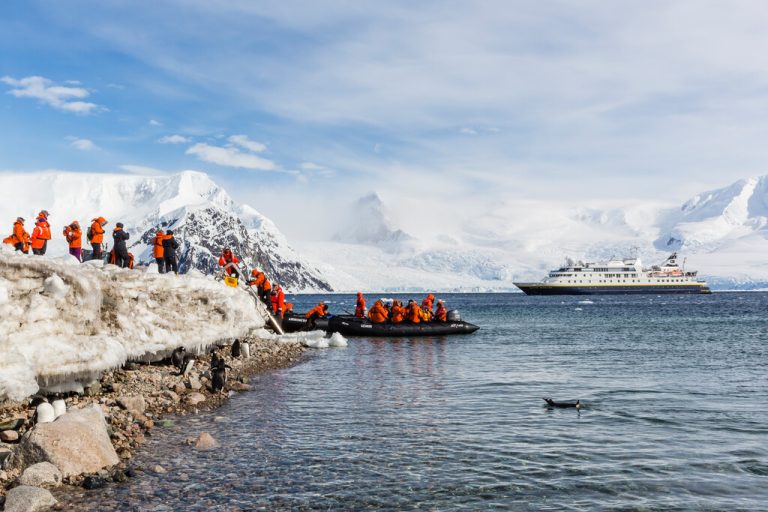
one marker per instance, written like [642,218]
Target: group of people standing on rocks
[271,295]
[22,241]
[395,312]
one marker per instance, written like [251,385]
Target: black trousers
[171,264]
[20,247]
[122,259]
[160,265]
[97,254]
[41,250]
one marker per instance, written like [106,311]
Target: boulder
[42,474]
[9,436]
[205,441]
[76,443]
[195,398]
[136,405]
[239,386]
[28,499]
[194,383]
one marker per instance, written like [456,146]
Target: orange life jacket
[40,234]
[19,236]
[378,314]
[157,248]
[414,313]
[441,314]
[398,313]
[360,306]
[97,231]
[74,236]
[318,310]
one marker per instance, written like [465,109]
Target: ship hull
[654,289]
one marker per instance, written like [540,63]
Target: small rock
[239,386]
[4,454]
[93,482]
[11,424]
[42,474]
[205,441]
[179,388]
[25,498]
[130,473]
[93,389]
[171,395]
[195,398]
[9,436]
[194,383]
[129,366]
[136,405]
[159,469]
[119,477]
[165,423]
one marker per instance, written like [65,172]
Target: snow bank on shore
[62,322]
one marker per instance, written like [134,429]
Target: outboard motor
[454,316]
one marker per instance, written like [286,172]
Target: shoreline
[159,394]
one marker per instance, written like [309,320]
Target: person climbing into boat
[313,314]
[120,248]
[441,314]
[170,244]
[360,306]
[40,236]
[20,238]
[74,236]
[413,312]
[95,236]
[378,313]
[398,312]
[227,257]
[158,252]
[278,301]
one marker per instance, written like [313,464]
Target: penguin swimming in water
[236,348]
[563,405]
[219,376]
[177,357]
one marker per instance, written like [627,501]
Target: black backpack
[89,233]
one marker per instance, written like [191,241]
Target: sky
[444,108]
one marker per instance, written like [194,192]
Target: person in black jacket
[170,244]
[121,249]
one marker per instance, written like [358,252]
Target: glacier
[62,323]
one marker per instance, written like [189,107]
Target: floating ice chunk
[337,340]
[586,302]
[55,287]
[321,342]
[577,309]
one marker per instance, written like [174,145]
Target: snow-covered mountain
[203,216]
[722,233]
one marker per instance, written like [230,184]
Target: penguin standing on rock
[236,348]
[187,364]
[219,376]
[177,357]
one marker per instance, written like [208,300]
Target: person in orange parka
[74,237]
[40,236]
[441,314]
[378,313]
[360,306]
[397,312]
[227,257]
[157,251]
[278,301]
[97,237]
[320,310]
[413,312]
[20,238]
[427,302]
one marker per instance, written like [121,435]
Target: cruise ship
[619,277]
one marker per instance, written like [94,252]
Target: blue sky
[434,104]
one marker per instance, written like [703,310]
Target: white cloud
[155,122]
[173,139]
[468,131]
[142,170]
[244,142]
[311,166]
[82,144]
[47,92]
[230,156]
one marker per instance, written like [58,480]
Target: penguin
[59,407]
[187,364]
[216,359]
[563,405]
[245,348]
[236,348]
[219,377]
[44,413]
[177,357]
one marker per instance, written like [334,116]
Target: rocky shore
[94,441]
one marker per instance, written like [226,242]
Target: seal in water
[236,348]
[177,357]
[563,405]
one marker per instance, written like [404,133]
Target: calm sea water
[676,417]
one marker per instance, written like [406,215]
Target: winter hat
[43,213]
[20,218]
[119,225]
[169,232]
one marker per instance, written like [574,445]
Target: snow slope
[61,322]
[203,216]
